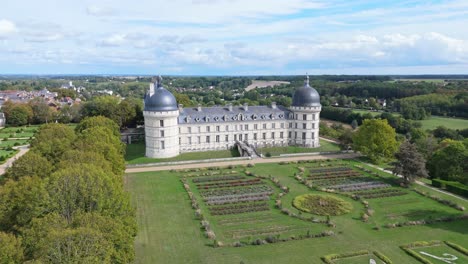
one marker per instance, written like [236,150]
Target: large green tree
[30,164]
[376,139]
[52,140]
[11,250]
[410,163]
[450,161]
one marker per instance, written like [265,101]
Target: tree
[375,138]
[98,121]
[11,250]
[19,115]
[30,164]
[410,163]
[354,124]
[41,110]
[52,140]
[449,162]
[183,99]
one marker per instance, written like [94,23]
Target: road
[242,162]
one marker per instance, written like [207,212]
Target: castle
[171,129]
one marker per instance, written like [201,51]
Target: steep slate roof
[221,114]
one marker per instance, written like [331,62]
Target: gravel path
[9,162]
[242,162]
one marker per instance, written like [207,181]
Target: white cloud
[6,28]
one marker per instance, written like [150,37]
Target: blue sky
[233,37]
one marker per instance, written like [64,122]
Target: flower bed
[322,204]
[229,184]
[232,191]
[239,208]
[380,193]
[219,178]
[358,186]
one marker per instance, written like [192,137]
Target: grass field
[170,233]
[325,146]
[135,154]
[453,123]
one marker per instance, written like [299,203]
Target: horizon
[233,38]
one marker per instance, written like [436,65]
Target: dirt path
[9,162]
[241,162]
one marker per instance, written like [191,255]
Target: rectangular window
[304,125]
[180,130]
[207,139]
[199,129]
[281,134]
[217,138]
[162,133]
[313,125]
[190,140]
[273,135]
[235,128]
[227,138]
[273,125]
[303,135]
[313,135]
[282,125]
[162,145]
[246,127]
[246,136]
[199,139]
[296,125]
[180,141]
[161,123]
[240,137]
[313,117]
[235,137]
[264,126]
[227,127]
[207,128]
[255,136]
[264,135]
[295,135]
[256,126]
[304,117]
[290,125]
[297,116]
[190,130]
[290,134]
[217,128]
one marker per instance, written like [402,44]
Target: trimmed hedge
[457,247]
[451,186]
[329,258]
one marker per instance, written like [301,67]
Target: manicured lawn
[170,233]
[135,154]
[325,146]
[12,143]
[454,123]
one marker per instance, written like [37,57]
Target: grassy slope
[135,154]
[169,233]
[325,146]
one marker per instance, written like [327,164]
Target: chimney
[246,107]
[199,108]
[151,89]
[181,108]
[230,107]
[273,105]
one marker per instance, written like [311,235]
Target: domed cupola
[159,99]
[306,96]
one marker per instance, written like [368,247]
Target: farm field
[454,123]
[242,206]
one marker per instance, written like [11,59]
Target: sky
[233,37]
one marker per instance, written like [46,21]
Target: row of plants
[335,175]
[314,170]
[272,230]
[380,193]
[359,186]
[235,191]
[409,249]
[329,259]
[440,200]
[240,208]
[218,178]
[277,239]
[215,200]
[428,221]
[245,220]
[229,183]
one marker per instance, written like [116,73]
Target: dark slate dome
[306,96]
[161,99]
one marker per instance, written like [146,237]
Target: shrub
[322,204]
[457,247]
[382,257]
[268,154]
[451,186]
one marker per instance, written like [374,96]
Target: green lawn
[454,123]
[325,146]
[170,233]
[135,154]
[12,143]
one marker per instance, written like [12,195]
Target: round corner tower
[161,122]
[306,109]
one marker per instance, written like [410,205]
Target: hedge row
[451,186]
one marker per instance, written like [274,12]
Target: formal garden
[324,211]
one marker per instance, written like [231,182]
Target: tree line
[64,201]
